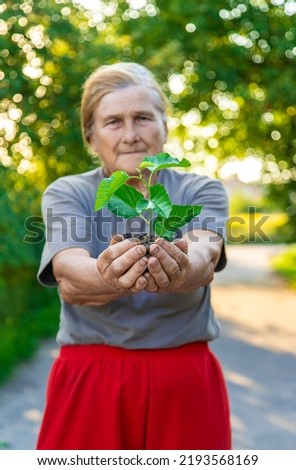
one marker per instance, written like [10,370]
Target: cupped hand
[123,264]
[168,266]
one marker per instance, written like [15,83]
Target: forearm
[204,251]
[79,279]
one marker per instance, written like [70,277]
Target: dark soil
[144,238]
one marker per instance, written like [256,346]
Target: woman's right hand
[123,264]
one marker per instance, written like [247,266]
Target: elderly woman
[134,370]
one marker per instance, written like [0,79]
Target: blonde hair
[108,78]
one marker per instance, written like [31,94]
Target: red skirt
[103,397]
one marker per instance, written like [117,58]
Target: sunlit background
[228,69]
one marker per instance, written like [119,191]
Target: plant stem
[147,185]
[139,178]
[150,211]
[145,220]
[150,217]
[149,181]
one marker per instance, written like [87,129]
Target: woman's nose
[130,133]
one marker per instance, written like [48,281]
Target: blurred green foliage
[28,312]
[285,264]
[228,68]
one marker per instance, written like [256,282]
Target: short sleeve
[67,225]
[211,194]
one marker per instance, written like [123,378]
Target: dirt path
[257,349]
[250,295]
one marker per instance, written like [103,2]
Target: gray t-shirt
[143,320]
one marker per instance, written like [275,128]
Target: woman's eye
[112,122]
[143,118]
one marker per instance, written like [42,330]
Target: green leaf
[108,186]
[144,204]
[161,200]
[127,202]
[163,160]
[179,216]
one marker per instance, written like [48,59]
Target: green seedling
[161,216]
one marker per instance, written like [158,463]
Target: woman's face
[127,127]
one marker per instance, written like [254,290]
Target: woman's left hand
[168,266]
[184,265]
